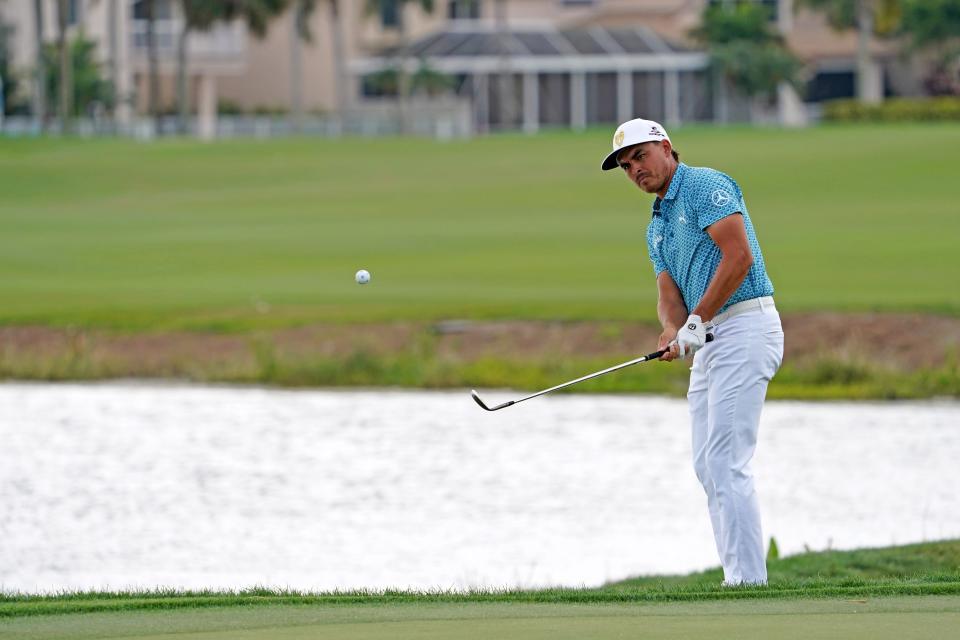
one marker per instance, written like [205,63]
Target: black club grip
[656,354]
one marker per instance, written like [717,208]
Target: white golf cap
[633,132]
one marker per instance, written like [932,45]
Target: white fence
[441,119]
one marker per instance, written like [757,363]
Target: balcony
[222,49]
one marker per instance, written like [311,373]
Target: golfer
[711,278]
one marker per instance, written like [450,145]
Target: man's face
[648,165]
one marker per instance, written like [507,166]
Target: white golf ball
[363,276]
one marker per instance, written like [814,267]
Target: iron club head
[483,405]
[476,398]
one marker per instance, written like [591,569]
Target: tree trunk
[183,93]
[340,72]
[721,98]
[868,80]
[66,77]
[403,81]
[153,91]
[40,78]
[505,77]
[296,66]
[758,109]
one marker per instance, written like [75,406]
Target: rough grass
[918,569]
[419,366]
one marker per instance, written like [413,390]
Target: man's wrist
[704,316]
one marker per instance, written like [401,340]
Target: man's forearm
[730,274]
[672,313]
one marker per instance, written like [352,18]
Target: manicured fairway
[245,234]
[896,618]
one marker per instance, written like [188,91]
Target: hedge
[893,110]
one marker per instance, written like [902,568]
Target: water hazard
[133,485]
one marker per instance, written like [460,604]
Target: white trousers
[728,383]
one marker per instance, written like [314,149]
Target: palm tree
[339,62]
[40,87]
[197,15]
[403,78]
[745,52]
[869,18]
[302,10]
[153,67]
[505,76]
[934,26]
[66,79]
[201,15]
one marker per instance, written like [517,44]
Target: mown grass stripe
[32,606]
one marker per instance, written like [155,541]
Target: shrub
[893,110]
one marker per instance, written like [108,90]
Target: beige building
[519,63]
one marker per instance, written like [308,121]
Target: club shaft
[649,356]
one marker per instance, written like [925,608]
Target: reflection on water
[119,485]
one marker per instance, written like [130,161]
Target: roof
[479,48]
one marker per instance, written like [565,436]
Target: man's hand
[667,338]
[691,337]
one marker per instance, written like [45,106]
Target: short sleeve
[716,197]
[654,242]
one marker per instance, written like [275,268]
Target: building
[518,63]
[119,30]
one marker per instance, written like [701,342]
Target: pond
[140,485]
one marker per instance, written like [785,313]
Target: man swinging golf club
[710,276]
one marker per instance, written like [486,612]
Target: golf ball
[363,276]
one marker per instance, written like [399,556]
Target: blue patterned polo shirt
[678,242]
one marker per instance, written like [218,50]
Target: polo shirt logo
[720,197]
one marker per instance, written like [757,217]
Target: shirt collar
[675,181]
[671,190]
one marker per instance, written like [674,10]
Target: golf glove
[692,336]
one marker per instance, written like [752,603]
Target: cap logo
[618,139]
[654,131]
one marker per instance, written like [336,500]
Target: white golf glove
[692,336]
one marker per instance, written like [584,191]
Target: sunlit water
[131,485]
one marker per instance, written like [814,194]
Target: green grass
[867,592]
[894,618]
[249,234]
[924,568]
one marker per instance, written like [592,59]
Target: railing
[442,120]
[222,42]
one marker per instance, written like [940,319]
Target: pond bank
[828,355]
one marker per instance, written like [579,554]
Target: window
[390,13]
[161,9]
[73,12]
[463,9]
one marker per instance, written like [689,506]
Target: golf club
[649,356]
